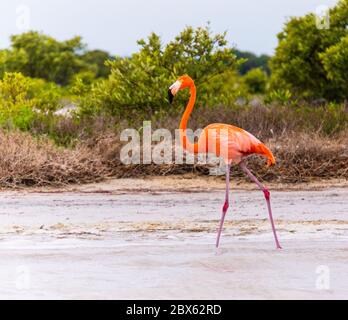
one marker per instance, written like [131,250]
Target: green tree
[98,58]
[256,81]
[24,100]
[40,56]
[16,109]
[252,62]
[335,61]
[299,64]
[139,82]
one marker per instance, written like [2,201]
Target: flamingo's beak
[173,90]
[170,96]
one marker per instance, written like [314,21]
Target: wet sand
[133,239]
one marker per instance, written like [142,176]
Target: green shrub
[97,58]
[16,109]
[47,96]
[335,62]
[256,81]
[252,61]
[138,84]
[281,96]
[309,61]
[24,100]
[40,56]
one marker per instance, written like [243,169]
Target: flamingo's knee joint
[226,206]
[267,194]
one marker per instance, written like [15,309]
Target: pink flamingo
[231,143]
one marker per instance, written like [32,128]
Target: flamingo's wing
[229,142]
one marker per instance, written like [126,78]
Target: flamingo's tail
[263,150]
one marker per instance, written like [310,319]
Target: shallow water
[149,245]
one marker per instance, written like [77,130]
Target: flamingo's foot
[218,251]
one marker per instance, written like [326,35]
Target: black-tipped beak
[170,96]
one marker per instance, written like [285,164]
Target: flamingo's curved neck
[187,145]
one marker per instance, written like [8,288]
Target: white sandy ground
[129,239]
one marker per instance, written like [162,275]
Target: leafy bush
[47,96]
[138,83]
[44,57]
[12,60]
[256,81]
[24,100]
[39,56]
[252,61]
[302,60]
[97,59]
[280,96]
[16,109]
[335,62]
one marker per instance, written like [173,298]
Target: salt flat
[160,245]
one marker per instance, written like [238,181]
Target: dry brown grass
[29,161]
[303,156]
[300,157]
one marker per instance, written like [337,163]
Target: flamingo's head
[182,83]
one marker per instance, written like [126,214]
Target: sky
[116,25]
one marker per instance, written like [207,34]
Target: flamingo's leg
[268,200]
[226,205]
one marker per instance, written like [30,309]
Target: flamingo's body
[231,143]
